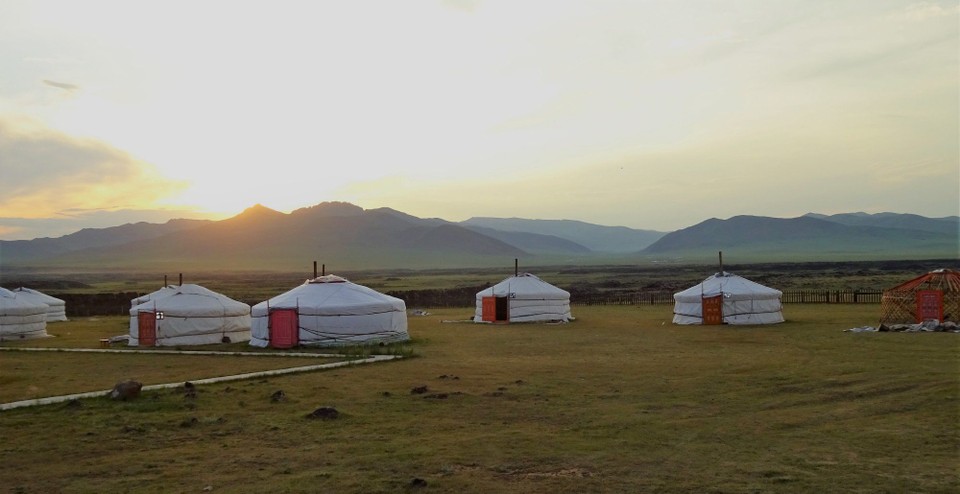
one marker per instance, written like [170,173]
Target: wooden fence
[789,297]
[832,296]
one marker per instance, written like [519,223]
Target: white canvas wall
[194,315]
[21,318]
[530,300]
[333,312]
[56,308]
[744,301]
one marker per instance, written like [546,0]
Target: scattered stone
[189,386]
[451,376]
[126,390]
[278,396]
[386,393]
[419,390]
[501,388]
[132,428]
[494,394]
[228,389]
[73,404]
[519,381]
[208,488]
[325,413]
[418,483]
[190,422]
[436,396]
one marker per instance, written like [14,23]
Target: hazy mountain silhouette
[597,238]
[949,224]
[806,236]
[349,237]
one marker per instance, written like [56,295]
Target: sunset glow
[651,115]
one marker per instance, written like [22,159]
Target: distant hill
[12,251]
[338,234]
[344,236]
[597,238]
[534,243]
[948,225]
[806,237]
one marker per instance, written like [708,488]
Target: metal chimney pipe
[181,279]
[516,267]
[314,269]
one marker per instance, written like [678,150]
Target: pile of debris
[928,326]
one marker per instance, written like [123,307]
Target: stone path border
[211,380]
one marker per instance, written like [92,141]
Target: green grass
[29,375]
[618,401]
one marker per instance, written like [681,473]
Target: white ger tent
[329,311]
[726,298]
[56,308]
[21,318]
[157,294]
[189,315]
[522,298]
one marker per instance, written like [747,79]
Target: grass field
[618,401]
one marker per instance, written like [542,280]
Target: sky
[649,114]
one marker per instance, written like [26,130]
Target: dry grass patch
[618,401]
[27,374]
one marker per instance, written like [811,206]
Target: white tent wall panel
[327,330]
[332,311]
[21,318]
[193,315]
[527,310]
[734,312]
[744,301]
[23,327]
[56,308]
[530,300]
[195,330]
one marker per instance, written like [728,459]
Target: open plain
[619,400]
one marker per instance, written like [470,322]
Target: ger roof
[730,285]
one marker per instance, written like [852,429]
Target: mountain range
[349,237]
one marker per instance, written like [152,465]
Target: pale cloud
[73,220]
[923,11]
[61,85]
[45,171]
[894,176]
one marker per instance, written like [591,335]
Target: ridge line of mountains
[349,237]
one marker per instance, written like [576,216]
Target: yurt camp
[522,298]
[189,315]
[726,298]
[328,311]
[56,308]
[21,318]
[934,295]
